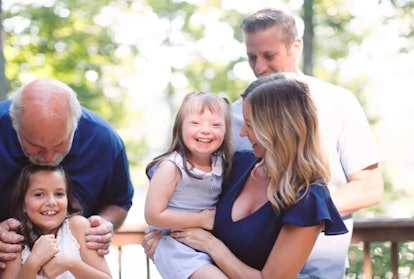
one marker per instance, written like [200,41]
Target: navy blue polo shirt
[96,164]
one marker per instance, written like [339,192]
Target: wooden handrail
[394,230]
[366,230]
[129,234]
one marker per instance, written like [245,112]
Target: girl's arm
[288,255]
[160,191]
[90,266]
[44,249]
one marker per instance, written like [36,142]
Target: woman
[275,202]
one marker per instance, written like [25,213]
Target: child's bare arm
[160,191]
[90,266]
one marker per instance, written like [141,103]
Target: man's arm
[364,189]
[10,241]
[114,214]
[99,235]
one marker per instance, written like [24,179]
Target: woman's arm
[285,261]
[290,252]
[160,191]
[90,266]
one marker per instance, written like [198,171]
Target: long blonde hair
[284,120]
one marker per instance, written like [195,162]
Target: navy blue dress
[252,238]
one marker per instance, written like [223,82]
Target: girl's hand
[56,266]
[44,249]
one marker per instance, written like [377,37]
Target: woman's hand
[195,237]
[150,242]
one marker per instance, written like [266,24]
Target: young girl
[186,184]
[54,232]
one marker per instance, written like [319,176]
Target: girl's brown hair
[28,229]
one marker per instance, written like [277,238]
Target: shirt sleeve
[314,207]
[356,142]
[119,189]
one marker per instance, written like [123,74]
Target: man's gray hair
[74,106]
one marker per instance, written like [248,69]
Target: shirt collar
[216,165]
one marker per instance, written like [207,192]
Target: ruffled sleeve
[314,207]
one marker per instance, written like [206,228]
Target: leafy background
[132,62]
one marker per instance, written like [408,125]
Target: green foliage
[202,74]
[356,260]
[62,40]
[406,259]
[333,38]
[69,40]
[332,19]
[215,77]
[381,260]
[402,18]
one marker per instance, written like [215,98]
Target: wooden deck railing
[393,230]
[129,235]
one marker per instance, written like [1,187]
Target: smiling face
[203,133]
[46,201]
[268,53]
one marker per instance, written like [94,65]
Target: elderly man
[44,124]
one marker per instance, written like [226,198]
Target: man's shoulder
[89,115]
[325,93]
[4,108]
[91,120]
[93,126]
[5,120]
[317,85]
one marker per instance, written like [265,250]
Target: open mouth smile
[204,140]
[49,213]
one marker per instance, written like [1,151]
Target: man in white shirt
[273,45]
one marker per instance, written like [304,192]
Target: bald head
[45,114]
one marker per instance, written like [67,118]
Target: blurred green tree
[64,39]
[3,81]
[75,41]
